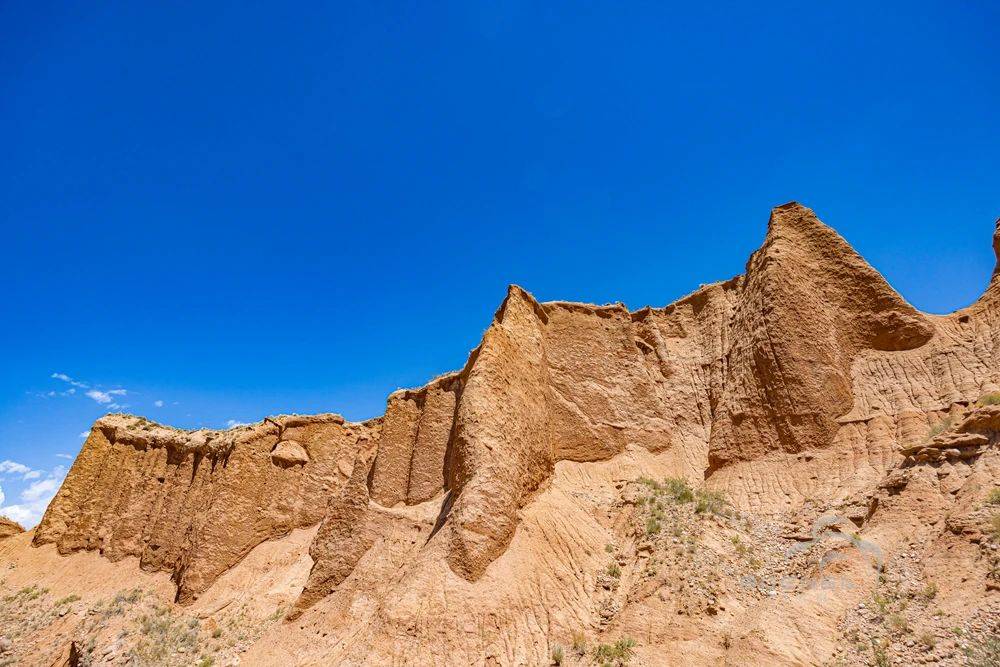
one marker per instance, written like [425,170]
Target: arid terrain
[790,467]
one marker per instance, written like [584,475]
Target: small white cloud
[99,396]
[40,489]
[64,456]
[34,499]
[104,397]
[9,467]
[85,434]
[32,474]
[232,423]
[158,404]
[69,380]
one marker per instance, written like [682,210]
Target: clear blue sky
[239,209]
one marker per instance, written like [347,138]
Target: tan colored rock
[8,527]
[289,453]
[475,522]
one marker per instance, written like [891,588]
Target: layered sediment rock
[8,527]
[807,358]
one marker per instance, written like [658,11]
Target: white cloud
[158,404]
[105,396]
[9,467]
[232,423]
[34,499]
[66,456]
[40,489]
[83,436]
[2,497]
[69,380]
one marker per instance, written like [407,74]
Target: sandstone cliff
[8,527]
[805,383]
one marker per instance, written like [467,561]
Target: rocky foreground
[793,466]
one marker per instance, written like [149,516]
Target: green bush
[678,489]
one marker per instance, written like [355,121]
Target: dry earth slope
[794,466]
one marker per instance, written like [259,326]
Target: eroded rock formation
[806,379]
[8,527]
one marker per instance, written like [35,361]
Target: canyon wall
[807,357]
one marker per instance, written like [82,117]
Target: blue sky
[227,210]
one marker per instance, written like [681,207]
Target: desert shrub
[930,591]
[880,654]
[881,603]
[994,529]
[557,655]
[613,571]
[989,399]
[651,483]
[994,497]
[984,653]
[618,653]
[579,644]
[652,526]
[939,428]
[162,635]
[928,640]
[898,623]
[678,489]
[709,502]
[27,594]
[69,599]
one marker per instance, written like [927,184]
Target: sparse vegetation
[557,655]
[26,594]
[69,599]
[994,497]
[579,644]
[928,640]
[709,502]
[985,653]
[939,428]
[880,654]
[652,526]
[613,571]
[994,529]
[989,399]
[897,622]
[678,489]
[881,603]
[930,591]
[619,653]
